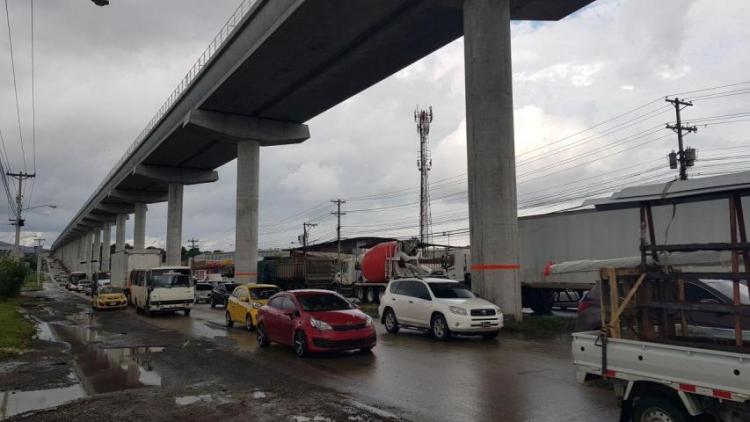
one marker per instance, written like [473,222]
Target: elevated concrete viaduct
[279,63]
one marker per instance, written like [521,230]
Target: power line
[33,105]
[15,84]
[33,89]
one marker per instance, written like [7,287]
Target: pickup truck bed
[702,380]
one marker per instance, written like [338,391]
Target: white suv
[442,306]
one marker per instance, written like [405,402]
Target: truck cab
[162,289]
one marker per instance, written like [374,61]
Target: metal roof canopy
[676,192]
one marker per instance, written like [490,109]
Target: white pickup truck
[662,382]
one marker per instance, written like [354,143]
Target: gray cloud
[102,72]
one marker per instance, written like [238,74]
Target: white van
[161,289]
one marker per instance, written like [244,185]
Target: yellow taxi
[245,302]
[109,298]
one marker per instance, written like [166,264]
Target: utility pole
[338,213]
[685,156]
[19,222]
[423,118]
[305,231]
[39,243]
[193,243]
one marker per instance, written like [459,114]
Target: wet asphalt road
[514,378]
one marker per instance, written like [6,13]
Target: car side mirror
[292,314]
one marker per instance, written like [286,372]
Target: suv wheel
[439,328]
[213,304]
[390,321]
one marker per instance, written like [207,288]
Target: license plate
[112,303]
[485,324]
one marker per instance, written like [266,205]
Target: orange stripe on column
[236,274]
[490,267]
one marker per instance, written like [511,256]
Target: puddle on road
[105,370]
[204,398]
[16,402]
[43,332]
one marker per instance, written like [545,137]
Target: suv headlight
[368,322]
[320,325]
[457,310]
[257,305]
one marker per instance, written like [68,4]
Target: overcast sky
[102,72]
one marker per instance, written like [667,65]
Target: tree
[12,274]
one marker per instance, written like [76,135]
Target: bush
[12,275]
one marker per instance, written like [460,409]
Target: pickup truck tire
[658,408]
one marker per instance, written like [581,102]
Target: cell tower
[423,118]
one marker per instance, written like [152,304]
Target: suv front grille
[482,312]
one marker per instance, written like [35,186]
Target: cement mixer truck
[369,276]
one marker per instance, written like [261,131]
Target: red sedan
[314,321]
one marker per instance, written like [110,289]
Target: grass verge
[542,324]
[15,330]
[30,283]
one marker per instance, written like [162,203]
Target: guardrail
[176,94]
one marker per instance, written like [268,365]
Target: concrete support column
[119,259]
[96,252]
[174,224]
[120,232]
[106,244]
[87,252]
[491,157]
[246,241]
[139,227]
[80,254]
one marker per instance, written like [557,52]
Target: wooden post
[602,308]
[614,320]
[743,238]
[643,237]
[651,231]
